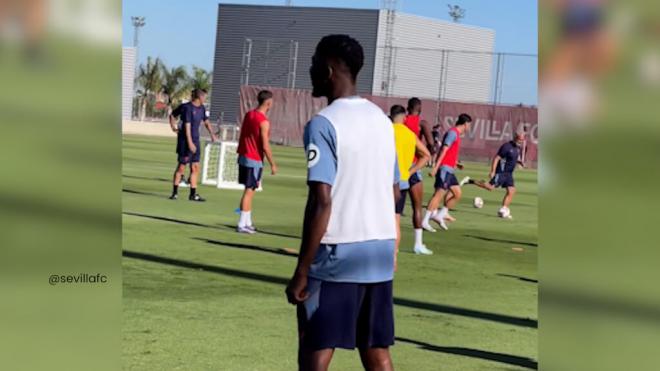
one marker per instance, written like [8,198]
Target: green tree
[176,85]
[149,81]
[200,79]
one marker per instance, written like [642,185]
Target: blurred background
[60,204]
[599,82]
[599,89]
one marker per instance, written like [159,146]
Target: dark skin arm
[317,216]
[426,133]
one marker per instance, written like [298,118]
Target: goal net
[220,167]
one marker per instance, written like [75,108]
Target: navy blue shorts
[346,315]
[445,180]
[503,180]
[415,178]
[185,156]
[402,202]
[250,177]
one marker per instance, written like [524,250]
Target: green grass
[198,296]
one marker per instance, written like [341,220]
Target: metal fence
[469,76]
[459,75]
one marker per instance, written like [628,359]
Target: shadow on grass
[531,244]
[185,222]
[147,178]
[525,279]
[261,231]
[126,190]
[248,247]
[475,353]
[486,316]
[165,219]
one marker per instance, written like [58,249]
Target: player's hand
[175,129]
[491,175]
[459,166]
[295,290]
[193,148]
[273,169]
[432,172]
[214,138]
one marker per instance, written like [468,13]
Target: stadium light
[456,12]
[137,23]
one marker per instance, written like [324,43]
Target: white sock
[427,216]
[243,220]
[418,237]
[249,218]
[443,212]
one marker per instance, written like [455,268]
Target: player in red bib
[253,145]
[445,180]
[422,130]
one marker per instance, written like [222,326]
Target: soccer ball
[504,212]
[478,202]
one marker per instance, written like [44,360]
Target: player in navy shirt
[502,168]
[188,147]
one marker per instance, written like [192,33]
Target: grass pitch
[199,296]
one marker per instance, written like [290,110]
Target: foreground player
[445,180]
[253,145]
[188,145]
[422,130]
[342,283]
[412,155]
[501,171]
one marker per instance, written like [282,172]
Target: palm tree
[200,79]
[176,85]
[149,81]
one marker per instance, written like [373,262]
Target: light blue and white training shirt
[350,146]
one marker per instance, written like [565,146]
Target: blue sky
[182,32]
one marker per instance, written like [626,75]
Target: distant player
[501,170]
[253,145]
[422,130]
[188,146]
[343,281]
[412,155]
[446,184]
[176,125]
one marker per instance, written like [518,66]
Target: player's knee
[511,191]
[195,167]
[382,362]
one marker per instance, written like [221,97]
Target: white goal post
[220,165]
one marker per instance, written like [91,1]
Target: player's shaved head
[397,113]
[414,106]
[337,60]
[263,96]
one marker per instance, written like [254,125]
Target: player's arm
[493,166]
[191,145]
[173,123]
[438,159]
[265,141]
[209,128]
[423,156]
[317,217]
[427,134]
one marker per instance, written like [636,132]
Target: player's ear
[330,71]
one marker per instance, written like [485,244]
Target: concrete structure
[127,81]
[405,55]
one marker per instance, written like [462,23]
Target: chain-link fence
[458,75]
[471,76]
